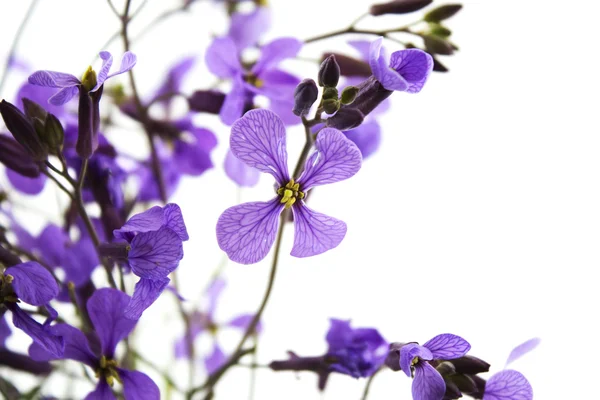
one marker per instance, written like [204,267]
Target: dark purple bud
[452,391]
[480,383]
[8,258]
[23,131]
[86,142]
[349,94]
[296,363]
[371,93]
[96,96]
[464,383]
[436,45]
[329,72]
[442,12]
[24,363]
[350,66]
[54,134]
[393,358]
[346,119]
[116,251]
[438,66]
[14,157]
[399,7]
[209,101]
[445,369]
[305,95]
[470,365]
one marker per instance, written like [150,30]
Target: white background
[479,215]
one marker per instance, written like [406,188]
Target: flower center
[7,294]
[254,80]
[108,370]
[89,79]
[289,193]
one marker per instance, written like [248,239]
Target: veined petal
[33,283]
[315,233]
[508,385]
[216,359]
[447,346]
[174,220]
[222,58]
[101,392]
[102,75]
[335,159]
[258,139]
[155,254]
[138,386]
[239,172]
[378,60]
[63,95]
[408,352]
[106,308]
[53,79]
[53,344]
[276,51]
[145,293]
[247,231]
[245,29]
[128,61]
[367,137]
[234,103]
[150,220]
[76,346]
[414,66]
[522,349]
[428,383]
[362,46]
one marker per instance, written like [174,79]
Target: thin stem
[189,339]
[360,18]
[60,185]
[252,387]
[155,367]
[368,385]
[351,29]
[15,42]
[307,145]
[114,10]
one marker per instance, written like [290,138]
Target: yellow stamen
[89,79]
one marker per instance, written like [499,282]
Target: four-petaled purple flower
[154,247]
[204,322]
[106,310]
[428,384]
[247,231]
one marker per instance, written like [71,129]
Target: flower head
[247,231]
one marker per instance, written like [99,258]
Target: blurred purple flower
[247,231]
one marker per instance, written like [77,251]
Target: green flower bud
[33,109]
[330,106]
[54,134]
[442,12]
[349,94]
[89,79]
[436,45]
[330,93]
[439,30]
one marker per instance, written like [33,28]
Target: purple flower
[263,78]
[245,29]
[204,322]
[30,283]
[247,231]
[415,360]
[153,250]
[106,310]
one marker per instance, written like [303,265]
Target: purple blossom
[154,248]
[247,231]
[415,360]
[205,322]
[106,310]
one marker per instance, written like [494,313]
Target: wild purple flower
[153,248]
[262,78]
[246,232]
[415,360]
[106,310]
[205,322]
[30,283]
[245,29]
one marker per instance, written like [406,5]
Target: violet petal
[101,392]
[408,352]
[138,386]
[447,346]
[522,349]
[367,137]
[428,383]
[378,60]
[245,29]
[155,254]
[222,58]
[53,79]
[234,103]
[76,346]
[414,65]
[315,233]
[508,385]
[33,283]
[53,344]
[276,51]
[63,95]
[239,172]
[145,293]
[216,359]
[174,220]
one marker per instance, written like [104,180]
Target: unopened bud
[439,30]
[54,134]
[85,137]
[305,95]
[23,131]
[330,106]
[16,158]
[464,383]
[470,365]
[436,45]
[89,79]
[329,72]
[392,360]
[438,66]
[348,95]
[350,66]
[346,119]
[33,109]
[8,259]
[330,93]
[209,101]
[442,12]
[399,7]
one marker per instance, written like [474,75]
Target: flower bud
[89,79]
[399,7]
[33,110]
[348,95]
[439,30]
[54,134]
[438,66]
[85,137]
[392,360]
[470,365]
[350,66]
[305,95]
[209,101]
[330,106]
[23,131]
[346,119]
[330,93]
[329,72]
[15,157]
[436,45]
[442,12]
[8,258]
[371,93]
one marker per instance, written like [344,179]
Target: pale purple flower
[428,384]
[247,231]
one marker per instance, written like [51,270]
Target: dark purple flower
[247,231]
[204,322]
[153,250]
[30,283]
[428,384]
[106,310]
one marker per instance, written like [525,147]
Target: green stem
[368,385]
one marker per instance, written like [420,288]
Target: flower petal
[102,75]
[335,159]
[174,220]
[277,85]
[276,51]
[222,58]
[150,220]
[215,359]
[4,332]
[283,108]
[101,392]
[25,184]
[247,231]
[33,283]
[63,95]
[128,61]
[315,233]
[258,139]
[53,79]
[145,293]
[378,60]
[414,65]
[522,349]
[79,262]
[155,254]
[138,386]
[367,137]
[362,46]
[408,352]
[243,321]
[447,346]
[239,172]
[428,383]
[339,334]
[41,335]
[508,385]
[245,29]
[106,309]
[76,346]
[213,292]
